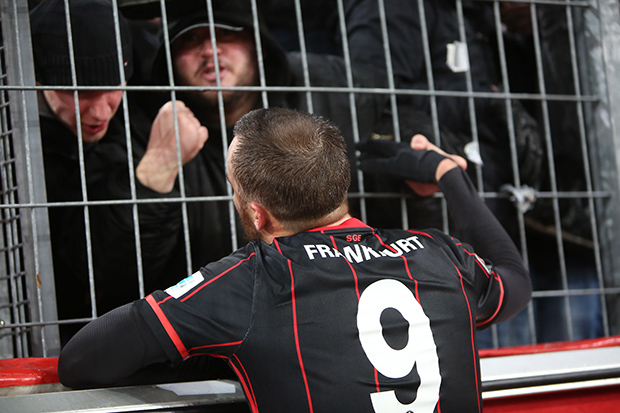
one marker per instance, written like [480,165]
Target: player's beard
[248,225]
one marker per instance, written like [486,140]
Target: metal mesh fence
[14,302]
[552,176]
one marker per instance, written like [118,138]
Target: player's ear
[261,218]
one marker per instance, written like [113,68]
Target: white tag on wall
[472,152]
[457,57]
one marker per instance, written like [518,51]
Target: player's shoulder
[430,234]
[233,268]
[434,238]
[242,258]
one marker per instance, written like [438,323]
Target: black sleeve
[119,349]
[108,350]
[479,227]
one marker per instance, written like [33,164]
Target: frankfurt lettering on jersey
[358,253]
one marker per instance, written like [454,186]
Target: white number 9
[393,363]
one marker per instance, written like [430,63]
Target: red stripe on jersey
[235,343]
[409,273]
[218,276]
[384,244]
[357,292]
[473,347]
[417,295]
[484,268]
[420,233]
[176,340]
[245,383]
[247,377]
[275,241]
[499,306]
[165,299]
[501,288]
[405,261]
[357,288]
[393,250]
[301,362]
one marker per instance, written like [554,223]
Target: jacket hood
[232,14]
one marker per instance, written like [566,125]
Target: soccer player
[320,312]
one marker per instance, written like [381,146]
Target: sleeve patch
[186,285]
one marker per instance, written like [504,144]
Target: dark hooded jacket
[94,65]
[409,48]
[162,223]
[284,70]
[205,174]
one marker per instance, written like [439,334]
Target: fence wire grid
[553,103]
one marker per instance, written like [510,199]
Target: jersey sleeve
[207,313]
[506,287]
[485,282]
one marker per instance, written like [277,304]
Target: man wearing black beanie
[95,59]
[89,57]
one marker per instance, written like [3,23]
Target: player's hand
[420,142]
[399,159]
[158,168]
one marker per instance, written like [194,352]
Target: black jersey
[339,319]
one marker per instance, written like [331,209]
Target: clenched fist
[158,168]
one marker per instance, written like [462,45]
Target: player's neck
[338,222]
[336,217]
[278,229]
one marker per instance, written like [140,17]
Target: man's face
[96,110]
[243,208]
[195,66]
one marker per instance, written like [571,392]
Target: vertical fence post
[29,175]
[600,60]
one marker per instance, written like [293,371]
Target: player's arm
[423,163]
[480,228]
[133,343]
[110,351]
[119,349]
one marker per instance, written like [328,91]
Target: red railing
[28,371]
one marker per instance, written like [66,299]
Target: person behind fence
[319,20]
[112,259]
[321,312]
[193,65]
[461,48]
[584,319]
[157,174]
[458,42]
[96,63]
